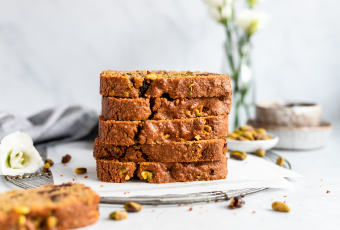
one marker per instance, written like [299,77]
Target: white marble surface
[53,51]
[311,206]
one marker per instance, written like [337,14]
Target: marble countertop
[311,206]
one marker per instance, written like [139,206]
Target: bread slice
[157,172]
[137,109]
[191,151]
[134,84]
[67,206]
[126,109]
[162,131]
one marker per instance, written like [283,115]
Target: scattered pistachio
[189,73]
[190,86]
[246,128]
[122,171]
[66,159]
[190,93]
[146,175]
[80,170]
[261,131]
[187,112]
[51,221]
[199,145]
[236,202]
[127,177]
[46,168]
[49,161]
[118,215]
[133,207]
[21,220]
[22,210]
[135,147]
[248,135]
[280,161]
[260,153]
[197,113]
[167,136]
[238,155]
[261,136]
[281,207]
[233,135]
[238,132]
[242,138]
[207,128]
[197,137]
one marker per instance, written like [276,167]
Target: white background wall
[52,52]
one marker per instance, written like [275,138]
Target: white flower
[215,3]
[251,20]
[252,3]
[220,9]
[215,13]
[18,155]
[227,11]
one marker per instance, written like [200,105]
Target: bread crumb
[179,204]
[102,186]
[153,210]
[285,196]
[190,209]
[321,179]
[73,179]
[86,176]
[216,201]
[253,212]
[61,175]
[202,207]
[328,191]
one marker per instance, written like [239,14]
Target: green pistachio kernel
[197,112]
[146,175]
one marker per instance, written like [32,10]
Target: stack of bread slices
[162,126]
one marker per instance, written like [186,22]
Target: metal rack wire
[34,180]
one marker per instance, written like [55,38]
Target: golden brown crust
[134,84]
[163,172]
[191,151]
[162,131]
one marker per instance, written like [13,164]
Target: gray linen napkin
[60,124]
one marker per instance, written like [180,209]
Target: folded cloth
[60,124]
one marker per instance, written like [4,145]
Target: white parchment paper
[254,172]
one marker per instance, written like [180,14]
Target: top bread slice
[169,84]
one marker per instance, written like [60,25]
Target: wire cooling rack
[34,180]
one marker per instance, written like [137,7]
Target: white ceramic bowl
[298,138]
[252,146]
[289,114]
